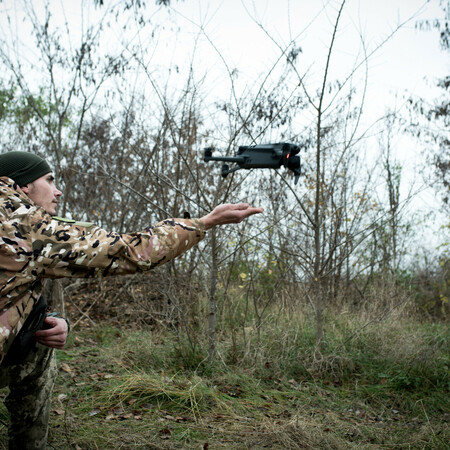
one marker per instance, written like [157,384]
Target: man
[34,246]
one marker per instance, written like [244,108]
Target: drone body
[265,156]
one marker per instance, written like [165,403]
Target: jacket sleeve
[53,248]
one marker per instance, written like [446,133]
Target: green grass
[387,387]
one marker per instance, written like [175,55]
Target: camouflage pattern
[35,246]
[29,398]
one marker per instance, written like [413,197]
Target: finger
[61,338]
[44,333]
[50,332]
[55,340]
[51,321]
[53,343]
[57,326]
[250,211]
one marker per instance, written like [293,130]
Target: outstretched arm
[228,213]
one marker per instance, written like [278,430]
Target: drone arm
[208,157]
[236,159]
[226,170]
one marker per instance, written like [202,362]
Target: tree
[430,121]
[54,112]
[132,131]
[335,211]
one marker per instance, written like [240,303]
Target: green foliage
[6,99]
[430,287]
[264,274]
[386,387]
[398,355]
[410,358]
[34,115]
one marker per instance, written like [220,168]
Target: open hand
[229,213]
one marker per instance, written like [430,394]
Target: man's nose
[58,193]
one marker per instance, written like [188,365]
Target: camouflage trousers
[28,401]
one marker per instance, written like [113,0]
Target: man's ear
[25,189]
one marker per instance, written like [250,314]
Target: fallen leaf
[66,368]
[165,432]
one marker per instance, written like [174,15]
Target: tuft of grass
[180,392]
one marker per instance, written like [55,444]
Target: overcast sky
[222,35]
[403,62]
[245,34]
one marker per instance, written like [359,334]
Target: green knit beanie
[23,167]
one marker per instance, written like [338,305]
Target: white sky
[403,62]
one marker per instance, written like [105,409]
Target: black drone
[265,156]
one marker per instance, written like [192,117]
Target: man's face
[44,193]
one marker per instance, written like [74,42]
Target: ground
[107,397]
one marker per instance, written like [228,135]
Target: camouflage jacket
[35,246]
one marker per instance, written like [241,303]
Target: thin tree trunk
[212,299]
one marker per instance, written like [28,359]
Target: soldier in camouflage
[34,246]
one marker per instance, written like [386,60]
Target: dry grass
[381,381]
